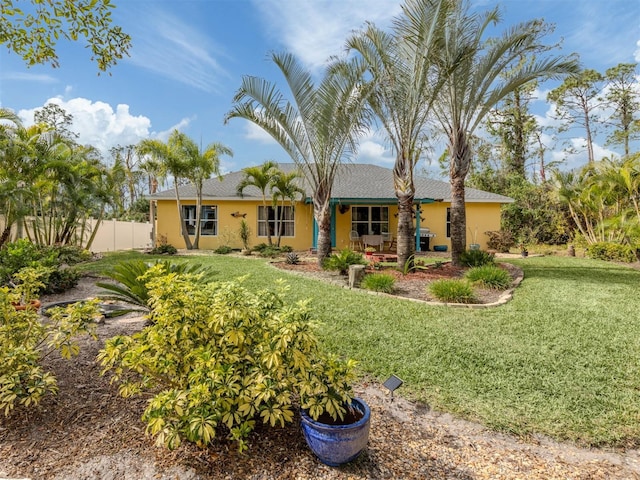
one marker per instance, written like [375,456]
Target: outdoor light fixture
[238,214]
[392,383]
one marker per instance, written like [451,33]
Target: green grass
[561,359]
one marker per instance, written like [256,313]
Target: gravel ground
[88,432]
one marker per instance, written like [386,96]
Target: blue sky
[189,56]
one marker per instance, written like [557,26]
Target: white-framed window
[208,219]
[370,220]
[279,220]
[448,222]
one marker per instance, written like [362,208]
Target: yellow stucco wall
[481,217]
[168,225]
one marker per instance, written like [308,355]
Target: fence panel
[112,235]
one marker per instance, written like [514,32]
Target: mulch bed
[408,285]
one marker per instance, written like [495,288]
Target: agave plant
[132,288]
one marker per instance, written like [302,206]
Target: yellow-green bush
[218,358]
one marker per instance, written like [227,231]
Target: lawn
[561,359]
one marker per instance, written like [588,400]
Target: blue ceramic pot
[337,444]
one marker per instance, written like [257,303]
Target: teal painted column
[315,233]
[333,226]
[418,212]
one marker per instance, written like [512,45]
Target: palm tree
[402,68]
[260,177]
[199,166]
[283,188]
[318,127]
[170,163]
[471,65]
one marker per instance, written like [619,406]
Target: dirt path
[88,432]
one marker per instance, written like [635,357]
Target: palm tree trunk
[458,220]
[322,215]
[458,169]
[406,244]
[405,193]
[266,221]
[183,227]
[6,232]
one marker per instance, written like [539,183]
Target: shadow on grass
[581,270]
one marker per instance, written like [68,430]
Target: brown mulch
[88,432]
[411,285]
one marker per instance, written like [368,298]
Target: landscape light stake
[392,383]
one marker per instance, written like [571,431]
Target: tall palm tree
[402,67]
[471,64]
[199,166]
[171,164]
[260,177]
[283,188]
[318,126]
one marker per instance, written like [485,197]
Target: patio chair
[354,239]
[387,238]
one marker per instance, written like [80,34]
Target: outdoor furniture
[373,240]
[354,239]
[387,238]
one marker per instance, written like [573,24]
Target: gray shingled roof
[354,182]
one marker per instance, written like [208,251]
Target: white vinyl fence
[112,235]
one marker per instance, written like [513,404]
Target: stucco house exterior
[363,201]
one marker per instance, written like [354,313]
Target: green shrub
[489,276]
[292,258]
[219,358]
[25,341]
[612,252]
[61,280]
[476,258]
[164,249]
[20,254]
[452,291]
[132,278]
[342,260]
[379,282]
[223,250]
[70,254]
[500,240]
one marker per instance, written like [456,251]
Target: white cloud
[637,52]
[98,124]
[314,31]
[578,157]
[176,50]
[254,132]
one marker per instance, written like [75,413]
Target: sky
[188,58]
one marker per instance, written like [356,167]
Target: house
[363,200]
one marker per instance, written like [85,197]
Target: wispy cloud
[603,32]
[174,49]
[28,77]
[316,30]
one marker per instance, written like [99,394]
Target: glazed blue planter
[335,445]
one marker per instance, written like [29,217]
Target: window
[208,219]
[448,222]
[278,219]
[370,220]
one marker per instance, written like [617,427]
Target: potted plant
[245,234]
[523,250]
[474,245]
[368,251]
[340,441]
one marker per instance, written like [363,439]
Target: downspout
[417,236]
